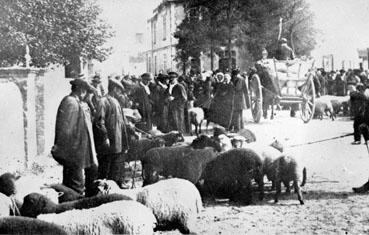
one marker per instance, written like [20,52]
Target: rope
[319,141]
[14,207]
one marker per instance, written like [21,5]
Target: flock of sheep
[175,176]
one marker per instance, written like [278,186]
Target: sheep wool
[120,217]
[5,205]
[174,202]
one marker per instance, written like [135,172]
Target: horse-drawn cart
[284,82]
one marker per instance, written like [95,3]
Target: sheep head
[7,184]
[35,204]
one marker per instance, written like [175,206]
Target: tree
[247,24]
[56,31]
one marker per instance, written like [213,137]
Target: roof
[163,4]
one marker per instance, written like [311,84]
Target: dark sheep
[7,184]
[229,175]
[35,204]
[138,148]
[285,169]
[172,138]
[67,194]
[180,162]
[24,225]
[205,141]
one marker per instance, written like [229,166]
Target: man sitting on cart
[285,52]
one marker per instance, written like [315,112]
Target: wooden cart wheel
[256,97]
[308,96]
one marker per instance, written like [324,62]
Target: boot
[362,189]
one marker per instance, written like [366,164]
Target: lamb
[119,217]
[175,202]
[225,142]
[324,106]
[25,225]
[181,162]
[230,173]
[105,187]
[285,169]
[35,204]
[248,134]
[197,116]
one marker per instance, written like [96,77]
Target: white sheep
[119,217]
[5,205]
[225,142]
[175,202]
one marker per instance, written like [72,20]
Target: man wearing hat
[285,52]
[141,98]
[74,141]
[112,139]
[177,102]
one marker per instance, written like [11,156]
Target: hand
[106,143]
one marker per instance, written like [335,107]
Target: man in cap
[74,141]
[285,52]
[141,98]
[112,139]
[239,102]
[177,101]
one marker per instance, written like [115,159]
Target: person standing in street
[177,101]
[141,99]
[239,103]
[284,51]
[112,140]
[74,145]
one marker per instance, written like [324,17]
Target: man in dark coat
[284,51]
[141,98]
[74,141]
[112,140]
[177,101]
[359,106]
[239,103]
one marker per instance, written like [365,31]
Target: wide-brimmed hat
[112,82]
[146,76]
[79,82]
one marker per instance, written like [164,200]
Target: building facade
[161,27]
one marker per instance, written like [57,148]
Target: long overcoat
[74,145]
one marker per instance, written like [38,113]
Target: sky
[342,24]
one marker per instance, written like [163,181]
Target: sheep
[181,162]
[225,142]
[17,187]
[285,169]
[25,225]
[197,116]
[181,194]
[66,194]
[205,141]
[174,202]
[138,148]
[324,106]
[171,138]
[248,134]
[35,204]
[230,174]
[119,217]
[6,205]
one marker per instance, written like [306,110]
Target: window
[164,27]
[154,31]
[165,62]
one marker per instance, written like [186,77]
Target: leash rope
[323,140]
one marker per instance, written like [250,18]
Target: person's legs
[73,178]
[91,174]
[357,135]
[104,165]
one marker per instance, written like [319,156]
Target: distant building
[162,26]
[162,49]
